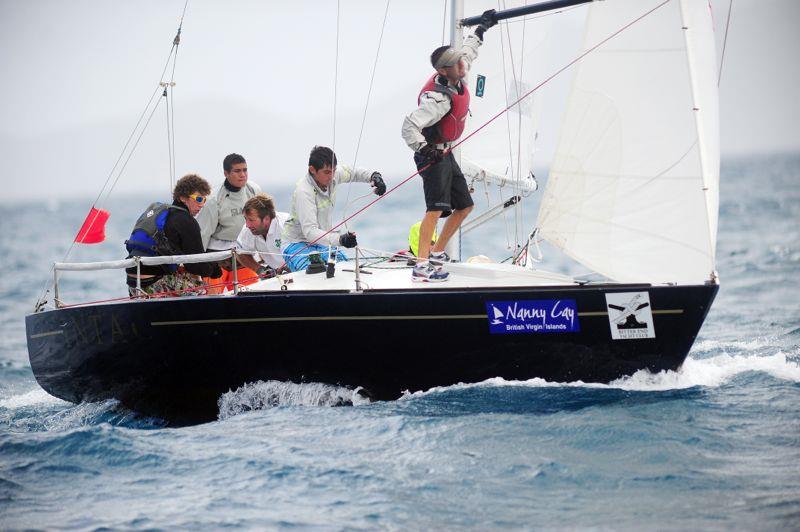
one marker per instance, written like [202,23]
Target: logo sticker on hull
[630,315]
[533,316]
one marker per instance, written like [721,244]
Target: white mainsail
[634,184]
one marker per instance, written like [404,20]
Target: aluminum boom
[526,10]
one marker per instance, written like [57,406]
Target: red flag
[93,230]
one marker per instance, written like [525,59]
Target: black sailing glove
[348,240]
[431,153]
[487,21]
[377,181]
[265,272]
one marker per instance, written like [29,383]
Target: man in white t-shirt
[262,233]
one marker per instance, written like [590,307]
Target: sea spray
[261,395]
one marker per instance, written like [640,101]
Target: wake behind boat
[632,194]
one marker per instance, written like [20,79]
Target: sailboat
[632,194]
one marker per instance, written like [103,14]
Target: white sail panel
[511,54]
[632,188]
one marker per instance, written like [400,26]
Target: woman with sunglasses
[170,230]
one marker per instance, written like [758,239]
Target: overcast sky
[257,78]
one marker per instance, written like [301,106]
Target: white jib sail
[634,184]
[512,52]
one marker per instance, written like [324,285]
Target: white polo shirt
[269,246]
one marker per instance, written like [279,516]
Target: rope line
[335,77]
[724,43]
[366,105]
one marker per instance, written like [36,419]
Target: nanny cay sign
[533,316]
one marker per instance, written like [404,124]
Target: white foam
[709,372]
[261,395]
[733,346]
[78,415]
[34,397]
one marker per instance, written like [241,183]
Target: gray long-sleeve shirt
[221,219]
[312,207]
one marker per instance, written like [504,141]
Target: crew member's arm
[470,48]
[183,230]
[348,174]
[245,243]
[432,107]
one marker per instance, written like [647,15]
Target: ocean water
[715,445]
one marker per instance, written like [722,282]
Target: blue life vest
[148,239]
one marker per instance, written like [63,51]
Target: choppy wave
[261,395]
[37,411]
[35,397]
[709,372]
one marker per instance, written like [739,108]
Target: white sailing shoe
[439,258]
[426,272]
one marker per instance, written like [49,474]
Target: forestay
[633,187]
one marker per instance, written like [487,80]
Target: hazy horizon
[77,75]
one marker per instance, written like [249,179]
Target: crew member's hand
[348,240]
[431,153]
[265,272]
[487,21]
[283,269]
[377,181]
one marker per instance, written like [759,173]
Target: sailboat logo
[630,315]
[627,314]
[497,316]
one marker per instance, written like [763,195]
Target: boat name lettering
[533,316]
[94,330]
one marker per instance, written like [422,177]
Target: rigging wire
[515,175]
[504,30]
[366,107]
[100,200]
[516,186]
[444,20]
[169,141]
[724,43]
[335,77]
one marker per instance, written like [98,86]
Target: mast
[453,247]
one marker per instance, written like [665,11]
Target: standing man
[430,131]
[221,220]
[312,208]
[262,232]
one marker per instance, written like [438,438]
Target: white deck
[397,276]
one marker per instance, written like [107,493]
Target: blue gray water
[715,445]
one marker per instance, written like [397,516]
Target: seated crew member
[413,245]
[306,230]
[413,238]
[431,130]
[170,230]
[262,232]
[222,220]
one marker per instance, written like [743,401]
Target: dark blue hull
[173,358]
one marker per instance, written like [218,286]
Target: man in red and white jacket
[430,131]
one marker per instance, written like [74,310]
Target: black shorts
[445,187]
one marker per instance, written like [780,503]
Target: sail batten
[625,196]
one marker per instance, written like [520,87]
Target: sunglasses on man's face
[198,198]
